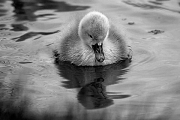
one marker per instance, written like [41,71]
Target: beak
[98,50]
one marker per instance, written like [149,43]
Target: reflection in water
[18,27]
[32,34]
[13,104]
[93,95]
[24,10]
[156,3]
[81,75]
[144,5]
[162,0]
[2,10]
[92,81]
[1,26]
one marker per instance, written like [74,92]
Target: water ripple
[143,57]
[154,5]
[25,10]
[32,34]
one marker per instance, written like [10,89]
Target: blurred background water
[35,86]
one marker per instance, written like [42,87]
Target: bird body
[93,41]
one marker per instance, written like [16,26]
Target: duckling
[93,41]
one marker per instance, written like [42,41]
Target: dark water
[35,86]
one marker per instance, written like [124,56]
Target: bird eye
[90,36]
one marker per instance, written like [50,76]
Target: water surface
[35,86]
